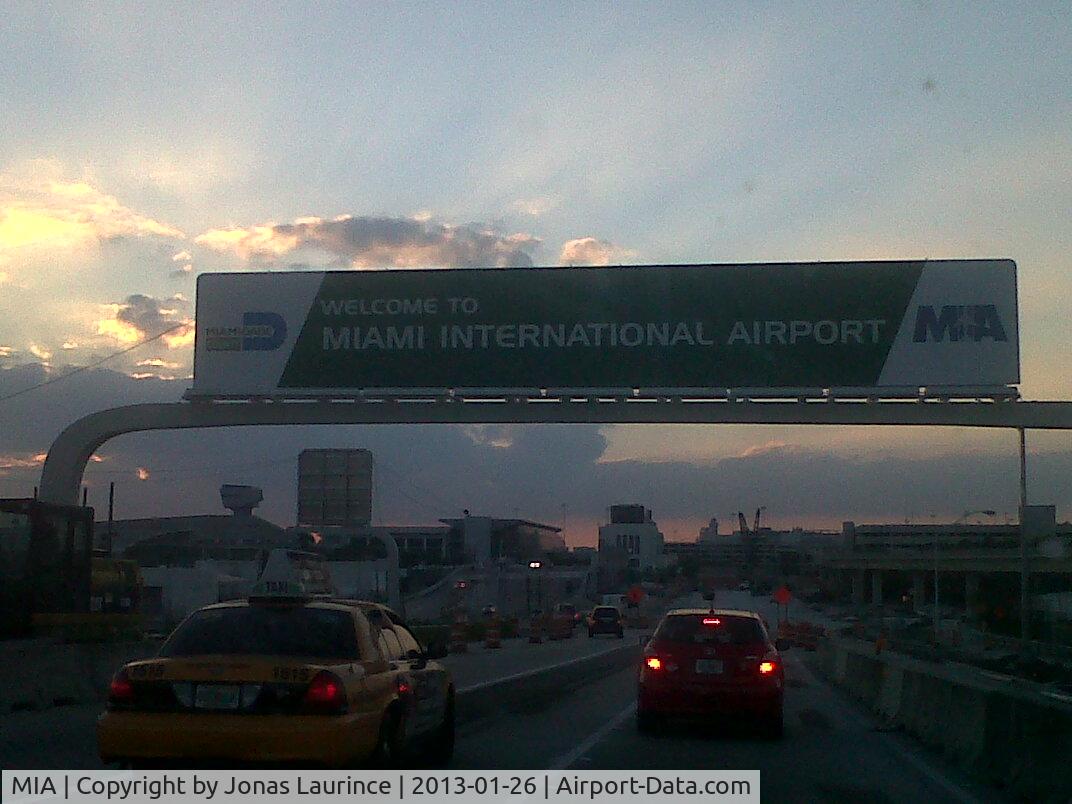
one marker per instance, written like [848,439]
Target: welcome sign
[882,325]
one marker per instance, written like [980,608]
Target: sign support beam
[65,464]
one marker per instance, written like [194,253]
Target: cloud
[535,207]
[40,352]
[765,449]
[591,251]
[369,242]
[20,461]
[140,316]
[40,209]
[156,362]
[182,256]
[493,435]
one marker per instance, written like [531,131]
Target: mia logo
[260,332]
[959,322]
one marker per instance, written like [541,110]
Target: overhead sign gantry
[846,343]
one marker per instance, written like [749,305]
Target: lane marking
[565,761]
[917,762]
[996,676]
[1060,696]
[541,669]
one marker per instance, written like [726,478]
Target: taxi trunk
[248,709]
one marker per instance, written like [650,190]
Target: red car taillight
[653,663]
[121,690]
[766,668]
[325,694]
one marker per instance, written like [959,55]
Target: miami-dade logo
[260,332]
[958,322]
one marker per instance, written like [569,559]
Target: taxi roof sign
[294,575]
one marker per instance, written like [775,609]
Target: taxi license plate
[217,696]
[708,666]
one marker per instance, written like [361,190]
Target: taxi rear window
[720,629]
[266,631]
[606,614]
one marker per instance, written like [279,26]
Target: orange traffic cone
[491,634]
[458,641]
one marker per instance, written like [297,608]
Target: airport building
[631,531]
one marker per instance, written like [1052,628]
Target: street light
[533,566]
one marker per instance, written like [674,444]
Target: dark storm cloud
[368,242]
[424,472]
[150,315]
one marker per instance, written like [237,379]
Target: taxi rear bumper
[335,741]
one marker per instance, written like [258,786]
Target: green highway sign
[882,325]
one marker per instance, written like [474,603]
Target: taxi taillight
[325,694]
[121,690]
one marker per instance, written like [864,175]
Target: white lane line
[932,773]
[995,676]
[593,739]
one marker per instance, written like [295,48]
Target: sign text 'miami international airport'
[882,325]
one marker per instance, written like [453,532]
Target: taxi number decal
[291,673]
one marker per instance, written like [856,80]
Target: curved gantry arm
[65,464]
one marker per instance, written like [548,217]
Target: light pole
[533,567]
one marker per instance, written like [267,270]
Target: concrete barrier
[1003,732]
[534,689]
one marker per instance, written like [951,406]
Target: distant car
[606,620]
[568,610]
[563,621]
[284,676]
[703,663]
[744,586]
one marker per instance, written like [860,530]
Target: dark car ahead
[705,665]
[606,620]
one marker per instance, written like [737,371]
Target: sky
[140,150]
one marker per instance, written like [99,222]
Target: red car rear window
[729,630]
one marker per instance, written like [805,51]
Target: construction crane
[743,521]
[755,528]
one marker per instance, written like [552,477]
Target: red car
[702,664]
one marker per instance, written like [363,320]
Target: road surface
[832,751]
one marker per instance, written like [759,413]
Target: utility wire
[94,364]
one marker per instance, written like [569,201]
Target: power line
[94,364]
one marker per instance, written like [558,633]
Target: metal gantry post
[1025,616]
[935,584]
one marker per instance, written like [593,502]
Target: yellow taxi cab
[283,677]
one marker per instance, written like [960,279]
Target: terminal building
[978,565]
